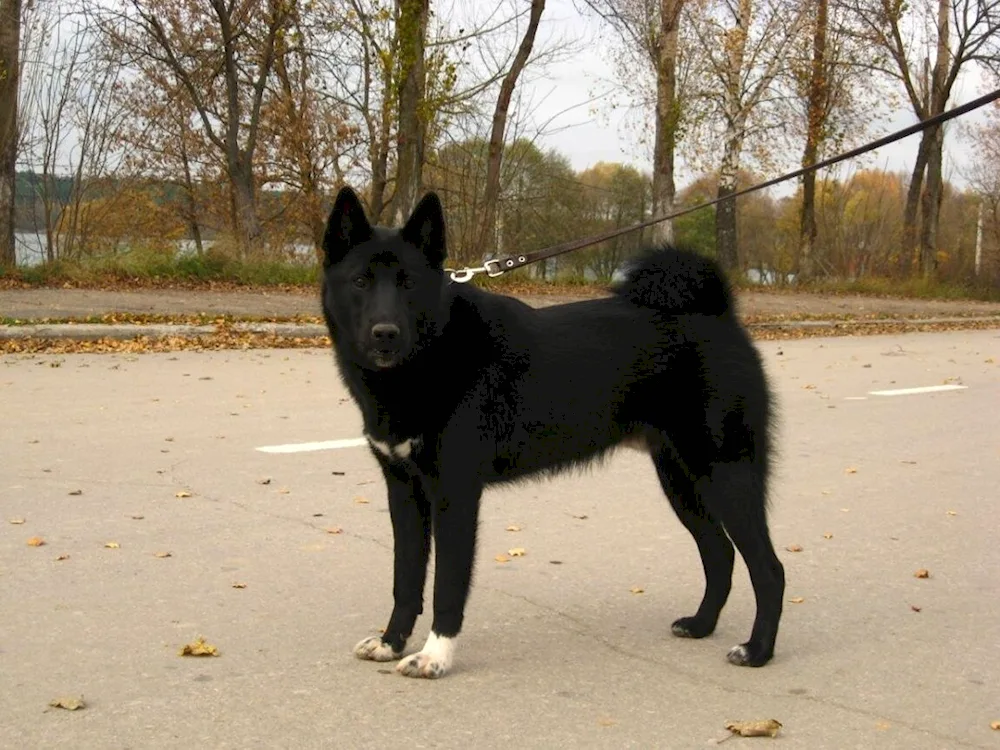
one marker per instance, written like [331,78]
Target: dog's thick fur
[460,388]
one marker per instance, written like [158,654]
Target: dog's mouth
[383,359]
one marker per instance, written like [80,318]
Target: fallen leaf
[76,492]
[516,552]
[606,722]
[162,554]
[763,728]
[334,530]
[501,558]
[62,557]
[36,541]
[794,547]
[883,725]
[845,510]
[283,491]
[555,562]
[182,493]
[265,480]
[112,545]
[580,518]
[797,599]
[239,585]
[809,387]
[922,573]
[915,608]
[828,535]
[826,492]
[995,726]
[952,512]
[199,648]
[17,521]
[338,473]
[69,703]
[850,470]
[513,527]
[136,518]
[361,500]
[989,361]
[637,590]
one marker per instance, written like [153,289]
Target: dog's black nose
[385,333]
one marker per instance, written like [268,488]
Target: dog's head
[383,289]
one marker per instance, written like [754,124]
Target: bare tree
[412,34]
[10,45]
[487,234]
[222,54]
[953,33]
[744,46]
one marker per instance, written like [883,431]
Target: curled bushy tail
[676,281]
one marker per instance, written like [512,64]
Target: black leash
[500,266]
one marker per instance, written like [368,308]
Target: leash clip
[463,275]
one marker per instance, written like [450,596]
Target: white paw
[431,662]
[373,648]
[738,655]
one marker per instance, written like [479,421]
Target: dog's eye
[361,282]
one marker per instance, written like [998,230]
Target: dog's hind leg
[411,530]
[716,550]
[456,513]
[734,493]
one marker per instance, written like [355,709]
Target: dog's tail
[676,281]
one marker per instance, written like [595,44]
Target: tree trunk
[10,38]
[244,204]
[930,202]
[815,126]
[909,246]
[487,233]
[412,29]
[667,120]
[726,239]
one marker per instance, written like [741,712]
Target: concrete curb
[124,332]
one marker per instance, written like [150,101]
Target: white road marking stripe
[323,446]
[924,389]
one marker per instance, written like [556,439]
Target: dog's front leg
[411,531]
[456,513]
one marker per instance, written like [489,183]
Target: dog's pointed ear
[425,229]
[347,226]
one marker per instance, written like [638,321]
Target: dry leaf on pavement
[199,648]
[76,492]
[239,585]
[36,541]
[17,521]
[182,493]
[850,470]
[922,573]
[334,530]
[502,558]
[637,590]
[995,725]
[763,728]
[797,599]
[112,545]
[162,554]
[361,500]
[70,703]
[513,527]
[62,557]
[516,552]
[794,547]
[828,535]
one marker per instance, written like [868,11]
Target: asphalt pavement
[163,521]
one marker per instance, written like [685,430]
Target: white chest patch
[399,451]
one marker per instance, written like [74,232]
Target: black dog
[460,388]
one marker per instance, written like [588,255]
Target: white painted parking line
[924,389]
[321,446]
